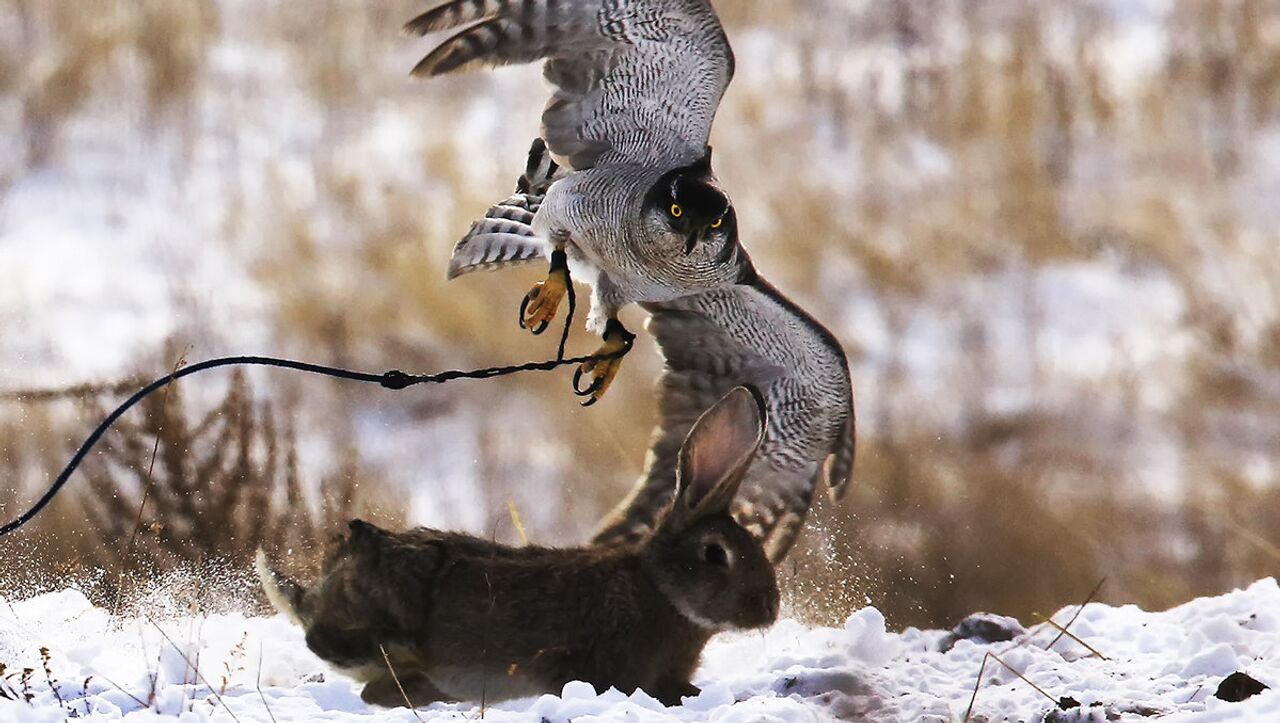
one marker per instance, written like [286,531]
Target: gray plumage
[748,333]
[637,81]
[637,87]
[637,84]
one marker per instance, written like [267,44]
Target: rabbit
[460,618]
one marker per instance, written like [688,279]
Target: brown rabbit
[462,618]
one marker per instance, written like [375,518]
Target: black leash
[394,380]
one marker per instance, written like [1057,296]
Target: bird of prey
[627,200]
[744,332]
[747,333]
[621,190]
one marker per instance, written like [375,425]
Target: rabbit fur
[460,618]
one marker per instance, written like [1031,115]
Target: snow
[117,198]
[258,669]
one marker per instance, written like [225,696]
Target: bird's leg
[540,304]
[617,342]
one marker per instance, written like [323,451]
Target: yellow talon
[543,300]
[617,342]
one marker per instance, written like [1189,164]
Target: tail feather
[492,42]
[502,32]
[514,212]
[284,594]
[505,235]
[453,14]
[494,243]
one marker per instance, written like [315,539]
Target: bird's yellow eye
[676,211]
[719,222]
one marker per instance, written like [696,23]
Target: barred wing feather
[748,333]
[637,81]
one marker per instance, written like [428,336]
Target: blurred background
[1047,234]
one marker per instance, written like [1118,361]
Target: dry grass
[886,160]
[184,499]
[1012,511]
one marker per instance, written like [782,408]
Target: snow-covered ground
[118,197]
[1166,664]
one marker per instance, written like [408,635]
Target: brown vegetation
[896,164]
[181,498]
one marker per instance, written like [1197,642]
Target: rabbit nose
[771,607]
[767,604]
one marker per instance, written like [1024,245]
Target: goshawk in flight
[627,201]
[626,197]
[745,332]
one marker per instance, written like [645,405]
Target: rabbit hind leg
[384,690]
[671,691]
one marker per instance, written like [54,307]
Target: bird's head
[690,203]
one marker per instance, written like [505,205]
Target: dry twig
[977,684]
[200,675]
[1063,631]
[408,703]
[1087,600]
[146,492]
[516,521]
[48,677]
[262,695]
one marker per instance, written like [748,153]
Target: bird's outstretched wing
[748,333]
[637,81]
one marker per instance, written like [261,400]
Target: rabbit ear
[716,455]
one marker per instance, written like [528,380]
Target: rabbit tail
[284,593]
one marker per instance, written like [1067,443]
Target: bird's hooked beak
[692,239]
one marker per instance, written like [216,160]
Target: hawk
[625,198]
[620,190]
[745,332]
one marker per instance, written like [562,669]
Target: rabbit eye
[714,554]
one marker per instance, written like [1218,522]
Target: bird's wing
[636,81]
[748,333]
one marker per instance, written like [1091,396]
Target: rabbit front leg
[384,691]
[669,691]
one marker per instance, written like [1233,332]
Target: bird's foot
[543,300]
[600,372]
